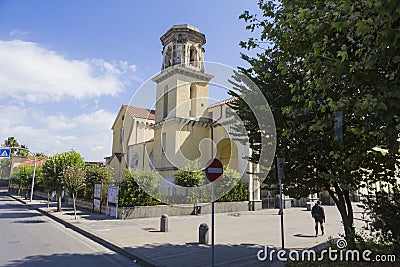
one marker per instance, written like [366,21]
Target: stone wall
[179,210]
[158,210]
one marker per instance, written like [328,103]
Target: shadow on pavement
[65,260]
[303,235]
[30,221]
[87,215]
[18,215]
[195,255]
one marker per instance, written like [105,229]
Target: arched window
[168,58]
[165,102]
[178,55]
[193,56]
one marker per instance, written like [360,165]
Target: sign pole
[116,204]
[212,225]
[279,165]
[214,170]
[281,212]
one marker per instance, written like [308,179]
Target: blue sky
[66,67]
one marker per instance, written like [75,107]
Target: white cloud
[89,133]
[17,32]
[32,73]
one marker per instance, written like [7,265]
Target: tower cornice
[183,32]
[184,70]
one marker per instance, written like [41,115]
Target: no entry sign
[214,170]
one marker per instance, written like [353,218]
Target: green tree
[384,209]
[97,174]
[40,154]
[52,170]
[323,62]
[73,178]
[12,142]
[22,177]
[232,188]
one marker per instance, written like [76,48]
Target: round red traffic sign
[214,170]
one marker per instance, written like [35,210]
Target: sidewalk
[238,236]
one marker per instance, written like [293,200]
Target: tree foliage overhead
[319,59]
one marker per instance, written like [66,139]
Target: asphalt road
[28,238]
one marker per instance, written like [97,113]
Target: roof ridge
[222,102]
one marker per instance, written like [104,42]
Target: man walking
[318,213]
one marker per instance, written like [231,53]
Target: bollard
[203,234]
[198,210]
[164,223]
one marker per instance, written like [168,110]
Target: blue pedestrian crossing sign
[5,153]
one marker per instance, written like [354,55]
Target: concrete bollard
[203,234]
[164,223]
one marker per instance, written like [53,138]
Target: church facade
[183,125]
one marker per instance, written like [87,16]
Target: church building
[184,125]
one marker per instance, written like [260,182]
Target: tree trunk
[59,208]
[343,203]
[349,225]
[48,199]
[73,198]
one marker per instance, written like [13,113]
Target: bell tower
[182,99]
[183,44]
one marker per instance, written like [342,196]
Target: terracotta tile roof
[143,113]
[30,162]
[222,102]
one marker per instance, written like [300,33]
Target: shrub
[131,194]
[232,188]
[189,176]
[385,212]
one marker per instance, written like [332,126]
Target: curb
[139,259]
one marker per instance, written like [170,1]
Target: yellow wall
[136,130]
[227,153]
[143,150]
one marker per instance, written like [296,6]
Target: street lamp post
[34,168]
[33,176]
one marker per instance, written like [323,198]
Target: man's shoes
[323,233]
